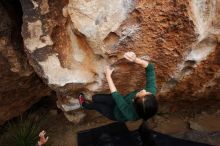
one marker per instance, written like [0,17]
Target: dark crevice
[14,11]
[172,82]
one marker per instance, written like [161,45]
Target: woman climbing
[136,105]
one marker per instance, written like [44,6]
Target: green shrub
[23,132]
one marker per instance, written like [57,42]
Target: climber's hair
[146,107]
[146,135]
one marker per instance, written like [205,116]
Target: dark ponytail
[146,108]
[146,135]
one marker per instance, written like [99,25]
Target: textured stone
[20,87]
[173,125]
[53,112]
[75,117]
[68,43]
[208,123]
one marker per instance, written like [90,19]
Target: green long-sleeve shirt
[124,109]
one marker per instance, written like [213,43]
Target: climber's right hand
[131,56]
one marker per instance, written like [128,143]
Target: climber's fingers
[130,56]
[108,70]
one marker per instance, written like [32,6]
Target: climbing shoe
[81,99]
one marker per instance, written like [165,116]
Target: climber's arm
[142,62]
[150,75]
[149,70]
[108,73]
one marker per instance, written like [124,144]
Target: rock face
[19,85]
[68,43]
[209,123]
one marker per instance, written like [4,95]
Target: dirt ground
[61,132]
[64,133]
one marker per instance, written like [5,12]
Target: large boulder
[68,43]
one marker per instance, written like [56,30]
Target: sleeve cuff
[150,65]
[115,94]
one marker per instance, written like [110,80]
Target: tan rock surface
[69,42]
[172,125]
[208,123]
